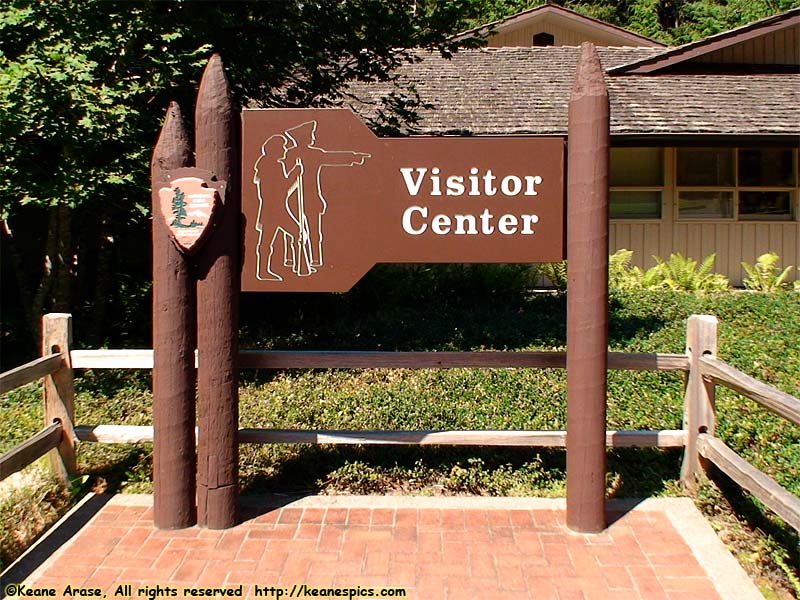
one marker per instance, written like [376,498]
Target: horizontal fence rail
[616,439]
[257,359]
[667,438]
[30,450]
[36,369]
[781,501]
[767,396]
[112,359]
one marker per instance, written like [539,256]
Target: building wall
[565,31]
[780,47]
[732,241]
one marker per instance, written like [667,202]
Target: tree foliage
[84,83]
[83,87]
[669,21]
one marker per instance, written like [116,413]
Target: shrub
[621,276]
[683,274]
[678,274]
[763,276]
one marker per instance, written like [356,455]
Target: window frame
[660,189]
[735,189]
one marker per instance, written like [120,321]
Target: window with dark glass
[636,177]
[762,167]
[705,167]
[765,205]
[543,39]
[767,169]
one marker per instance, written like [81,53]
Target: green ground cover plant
[457,307]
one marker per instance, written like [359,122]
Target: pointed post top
[172,149]
[215,123]
[214,67]
[173,111]
[214,92]
[589,79]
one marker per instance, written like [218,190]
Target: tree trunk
[30,321]
[103,292]
[43,291]
[64,260]
[51,288]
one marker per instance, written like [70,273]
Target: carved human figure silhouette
[281,223]
[313,159]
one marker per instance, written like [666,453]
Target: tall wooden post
[174,341]
[216,145]
[698,402]
[59,394]
[587,294]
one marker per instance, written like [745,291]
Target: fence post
[698,400]
[59,393]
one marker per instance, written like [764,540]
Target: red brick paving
[431,553]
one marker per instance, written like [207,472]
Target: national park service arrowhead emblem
[188,200]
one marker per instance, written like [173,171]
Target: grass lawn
[472,308]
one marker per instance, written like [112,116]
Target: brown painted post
[587,294]
[174,341]
[216,145]
[59,393]
[698,402]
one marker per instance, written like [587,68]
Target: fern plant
[678,273]
[621,276]
[650,279]
[557,274]
[683,274]
[763,276]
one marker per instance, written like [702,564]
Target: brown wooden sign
[324,199]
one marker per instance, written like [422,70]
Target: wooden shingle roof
[693,104]
[516,91]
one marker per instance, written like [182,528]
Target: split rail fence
[703,372]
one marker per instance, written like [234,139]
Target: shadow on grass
[110,382]
[110,466]
[398,469]
[424,307]
[758,518]
[642,472]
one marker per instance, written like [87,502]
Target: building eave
[520,18]
[705,140]
[692,50]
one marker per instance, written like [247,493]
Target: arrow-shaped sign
[325,200]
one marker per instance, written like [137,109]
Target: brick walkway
[432,548]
